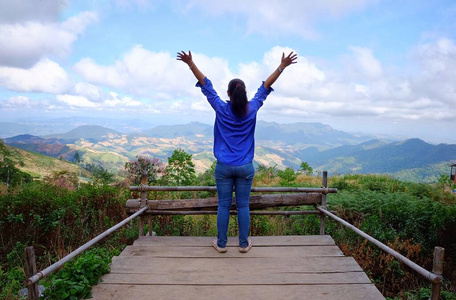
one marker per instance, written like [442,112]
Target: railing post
[323,203]
[30,270]
[437,268]
[150,225]
[143,185]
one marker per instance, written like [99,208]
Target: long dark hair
[238,97]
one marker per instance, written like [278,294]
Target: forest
[59,213]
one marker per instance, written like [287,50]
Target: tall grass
[411,218]
[55,221]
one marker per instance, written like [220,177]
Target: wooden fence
[286,197]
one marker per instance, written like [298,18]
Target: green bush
[75,280]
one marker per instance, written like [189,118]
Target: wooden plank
[258,241]
[285,267]
[264,292]
[155,265]
[256,202]
[241,276]
[208,251]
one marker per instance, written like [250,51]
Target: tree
[305,168]
[266,173]
[135,168]
[77,158]
[208,177]
[9,173]
[180,169]
[101,175]
[63,179]
[287,176]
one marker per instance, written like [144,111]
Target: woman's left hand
[290,59]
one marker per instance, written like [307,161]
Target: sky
[364,66]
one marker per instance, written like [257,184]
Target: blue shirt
[234,142]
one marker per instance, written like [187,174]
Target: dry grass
[41,166]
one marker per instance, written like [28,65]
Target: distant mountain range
[59,125]
[280,145]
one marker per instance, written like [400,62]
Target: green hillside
[277,145]
[40,166]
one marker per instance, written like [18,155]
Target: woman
[234,146]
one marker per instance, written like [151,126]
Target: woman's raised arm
[286,61]
[187,58]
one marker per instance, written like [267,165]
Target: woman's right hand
[286,61]
[186,58]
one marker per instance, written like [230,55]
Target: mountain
[58,125]
[51,147]
[41,166]
[280,145]
[268,134]
[377,156]
[88,132]
[192,130]
[306,134]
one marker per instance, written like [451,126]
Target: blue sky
[370,66]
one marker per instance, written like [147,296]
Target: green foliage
[424,294]
[265,174]
[11,273]
[9,172]
[100,175]
[77,158]
[287,176]
[207,179]
[409,217]
[75,280]
[180,169]
[54,219]
[305,168]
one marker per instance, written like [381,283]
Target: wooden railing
[296,196]
[288,196]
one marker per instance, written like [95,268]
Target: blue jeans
[239,179]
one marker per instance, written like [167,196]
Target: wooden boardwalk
[277,267]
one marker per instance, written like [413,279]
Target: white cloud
[304,89]
[88,91]
[278,17]
[18,101]
[125,102]
[155,75]
[112,102]
[77,101]
[155,83]
[26,10]
[46,76]
[437,75]
[24,44]
[364,64]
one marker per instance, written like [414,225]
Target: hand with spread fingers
[187,58]
[290,59]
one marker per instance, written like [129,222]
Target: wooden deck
[277,267]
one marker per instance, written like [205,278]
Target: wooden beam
[147,188]
[437,268]
[30,270]
[256,202]
[323,204]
